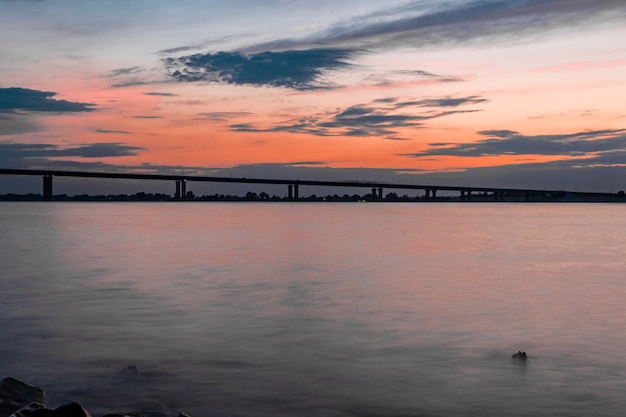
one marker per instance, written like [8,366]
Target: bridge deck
[345,184]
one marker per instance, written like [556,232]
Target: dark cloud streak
[294,69]
[382,117]
[119,132]
[15,99]
[12,151]
[508,142]
[158,94]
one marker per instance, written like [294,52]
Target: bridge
[293,186]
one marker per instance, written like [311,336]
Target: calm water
[317,309]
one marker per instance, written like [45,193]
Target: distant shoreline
[565,197]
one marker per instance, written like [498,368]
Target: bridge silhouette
[293,186]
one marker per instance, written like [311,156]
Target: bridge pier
[431,193]
[181,190]
[466,195]
[293,192]
[377,193]
[47,187]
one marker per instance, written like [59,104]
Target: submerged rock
[519,356]
[133,371]
[130,370]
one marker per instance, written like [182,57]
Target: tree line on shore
[190,196]
[265,197]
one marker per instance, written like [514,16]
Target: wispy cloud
[119,132]
[434,22]
[180,49]
[382,117]
[508,142]
[125,71]
[17,99]
[575,113]
[221,116]
[133,76]
[15,124]
[158,94]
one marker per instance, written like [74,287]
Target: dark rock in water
[12,389]
[520,356]
[67,410]
[15,394]
[131,370]
[28,410]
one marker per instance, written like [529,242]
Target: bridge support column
[374,195]
[293,192]
[47,187]
[380,193]
[181,190]
[431,193]
[463,198]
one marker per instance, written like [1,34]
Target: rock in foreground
[15,394]
[19,399]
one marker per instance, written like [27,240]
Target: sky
[491,93]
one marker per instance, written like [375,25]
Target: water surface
[281,309]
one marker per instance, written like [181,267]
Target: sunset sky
[503,93]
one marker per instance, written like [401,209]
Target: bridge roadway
[293,185]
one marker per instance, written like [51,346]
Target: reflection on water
[317,309]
